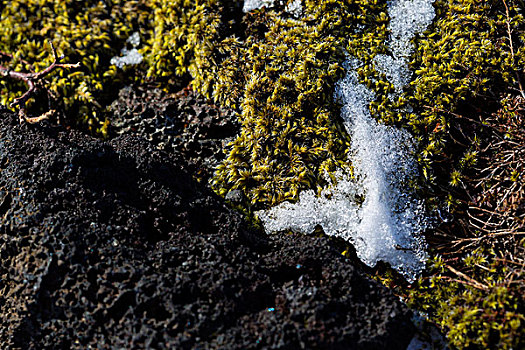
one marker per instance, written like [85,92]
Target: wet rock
[113,245]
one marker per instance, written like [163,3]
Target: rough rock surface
[113,245]
[184,122]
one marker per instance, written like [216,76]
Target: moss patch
[468,112]
[479,308]
[284,75]
[88,32]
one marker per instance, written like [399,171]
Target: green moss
[179,40]
[482,311]
[89,32]
[188,39]
[283,77]
[463,63]
[466,67]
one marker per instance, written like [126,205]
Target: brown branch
[446,278]
[31,79]
[510,262]
[466,279]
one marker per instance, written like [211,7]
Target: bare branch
[466,279]
[31,79]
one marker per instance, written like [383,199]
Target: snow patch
[407,18]
[376,210]
[294,7]
[250,5]
[129,57]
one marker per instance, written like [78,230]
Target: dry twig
[32,79]
[466,279]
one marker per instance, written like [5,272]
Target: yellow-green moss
[178,37]
[284,80]
[89,32]
[462,65]
[186,38]
[481,311]
[465,70]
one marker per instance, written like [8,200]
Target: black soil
[110,245]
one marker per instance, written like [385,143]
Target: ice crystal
[407,18]
[134,39]
[294,7]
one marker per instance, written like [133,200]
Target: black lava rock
[109,245]
[184,122]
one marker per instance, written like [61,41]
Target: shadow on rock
[113,245]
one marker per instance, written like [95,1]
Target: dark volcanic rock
[184,122]
[112,245]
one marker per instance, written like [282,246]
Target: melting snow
[294,7]
[250,5]
[407,18]
[377,211]
[129,57]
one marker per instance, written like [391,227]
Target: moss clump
[187,39]
[279,71]
[477,297]
[468,113]
[179,42]
[284,75]
[89,32]
[473,52]
[483,311]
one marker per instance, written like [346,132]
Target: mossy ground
[291,135]
[89,32]
[278,72]
[469,109]
[469,88]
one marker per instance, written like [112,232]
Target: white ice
[377,210]
[129,57]
[250,5]
[295,7]
[407,18]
